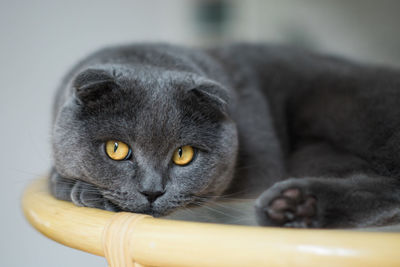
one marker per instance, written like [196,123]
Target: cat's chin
[158,214]
[147,209]
[154,213]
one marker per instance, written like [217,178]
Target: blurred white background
[41,39]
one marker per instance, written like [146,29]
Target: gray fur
[257,115]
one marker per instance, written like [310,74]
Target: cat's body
[256,114]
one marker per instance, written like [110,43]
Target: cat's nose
[152,195]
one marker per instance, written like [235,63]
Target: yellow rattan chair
[128,239]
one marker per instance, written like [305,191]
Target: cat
[149,128]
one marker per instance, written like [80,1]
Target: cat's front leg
[356,201]
[80,193]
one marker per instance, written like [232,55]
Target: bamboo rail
[128,239]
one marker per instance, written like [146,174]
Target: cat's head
[169,133]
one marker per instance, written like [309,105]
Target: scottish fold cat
[150,128]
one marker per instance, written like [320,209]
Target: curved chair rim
[149,241]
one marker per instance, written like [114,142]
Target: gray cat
[150,128]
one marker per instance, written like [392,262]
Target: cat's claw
[288,207]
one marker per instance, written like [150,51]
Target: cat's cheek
[189,178]
[114,175]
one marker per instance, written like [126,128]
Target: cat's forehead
[153,91]
[154,81]
[147,81]
[148,106]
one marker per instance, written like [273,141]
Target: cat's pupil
[115,146]
[180,152]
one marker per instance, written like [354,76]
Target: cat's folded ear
[91,84]
[213,95]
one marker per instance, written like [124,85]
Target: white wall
[366,30]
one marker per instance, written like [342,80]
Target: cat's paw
[60,187]
[87,195]
[80,193]
[289,204]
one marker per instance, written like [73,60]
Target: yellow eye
[183,155]
[118,150]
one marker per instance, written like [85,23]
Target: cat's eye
[118,150]
[183,155]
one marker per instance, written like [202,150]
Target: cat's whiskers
[229,208]
[214,210]
[94,199]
